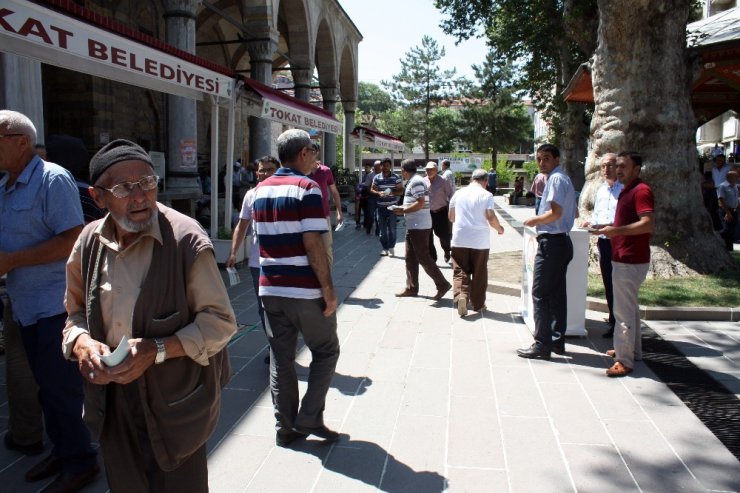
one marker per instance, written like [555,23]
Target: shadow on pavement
[368,462]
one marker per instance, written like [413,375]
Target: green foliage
[504,172]
[531,168]
[551,39]
[373,100]
[492,119]
[444,129]
[418,88]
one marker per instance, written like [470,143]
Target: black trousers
[441,228]
[549,297]
[60,393]
[605,264]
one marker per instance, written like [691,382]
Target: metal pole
[214,166]
[230,156]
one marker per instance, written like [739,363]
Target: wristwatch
[161,352]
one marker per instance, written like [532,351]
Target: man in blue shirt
[40,219]
[387,187]
[554,253]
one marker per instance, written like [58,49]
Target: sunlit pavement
[426,401]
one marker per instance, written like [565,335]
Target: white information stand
[576,281]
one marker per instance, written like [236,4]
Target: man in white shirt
[719,172]
[605,206]
[447,173]
[471,214]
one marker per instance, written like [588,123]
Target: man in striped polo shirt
[418,228]
[296,288]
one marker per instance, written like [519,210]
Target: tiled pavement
[428,402]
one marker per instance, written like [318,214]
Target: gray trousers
[626,281]
[285,318]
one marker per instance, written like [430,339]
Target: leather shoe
[283,439]
[533,352]
[611,353]
[442,291]
[320,431]
[618,370]
[608,334]
[70,483]
[558,348]
[32,449]
[406,294]
[44,469]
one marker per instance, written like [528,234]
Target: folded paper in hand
[117,356]
[233,276]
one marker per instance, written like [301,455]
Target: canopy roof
[378,140]
[716,40]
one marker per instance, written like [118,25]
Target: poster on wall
[188,156]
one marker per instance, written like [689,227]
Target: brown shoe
[44,469]
[71,483]
[611,353]
[618,370]
[406,294]
[442,291]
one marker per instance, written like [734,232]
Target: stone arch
[326,55]
[348,77]
[295,40]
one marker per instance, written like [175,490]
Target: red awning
[275,105]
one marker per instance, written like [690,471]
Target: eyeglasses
[123,190]
[11,135]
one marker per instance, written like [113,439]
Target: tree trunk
[573,143]
[641,82]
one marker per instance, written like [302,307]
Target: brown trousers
[417,253]
[130,464]
[470,275]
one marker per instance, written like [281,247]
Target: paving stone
[474,480]
[474,434]
[533,459]
[598,468]
[516,392]
[470,374]
[427,392]
[235,462]
[432,351]
[416,460]
[573,418]
[650,459]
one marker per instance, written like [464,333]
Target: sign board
[576,281]
[158,161]
[288,115]
[31,30]
[464,164]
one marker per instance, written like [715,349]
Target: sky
[390,28]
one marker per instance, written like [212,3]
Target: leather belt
[550,235]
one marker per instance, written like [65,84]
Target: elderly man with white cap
[471,213]
[440,193]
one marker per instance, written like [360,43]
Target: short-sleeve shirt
[635,199]
[728,193]
[43,203]
[416,189]
[246,213]
[720,174]
[538,185]
[605,204]
[471,228]
[558,189]
[390,182]
[440,193]
[286,205]
[325,178]
[449,177]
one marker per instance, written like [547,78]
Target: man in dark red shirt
[630,236]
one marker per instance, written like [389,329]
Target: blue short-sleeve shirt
[558,189]
[42,203]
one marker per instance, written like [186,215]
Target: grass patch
[720,290]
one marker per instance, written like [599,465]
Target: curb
[684,313]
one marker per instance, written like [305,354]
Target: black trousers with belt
[441,228]
[605,264]
[549,298]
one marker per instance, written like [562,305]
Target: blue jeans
[387,225]
[255,274]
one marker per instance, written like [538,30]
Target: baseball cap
[430,165]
